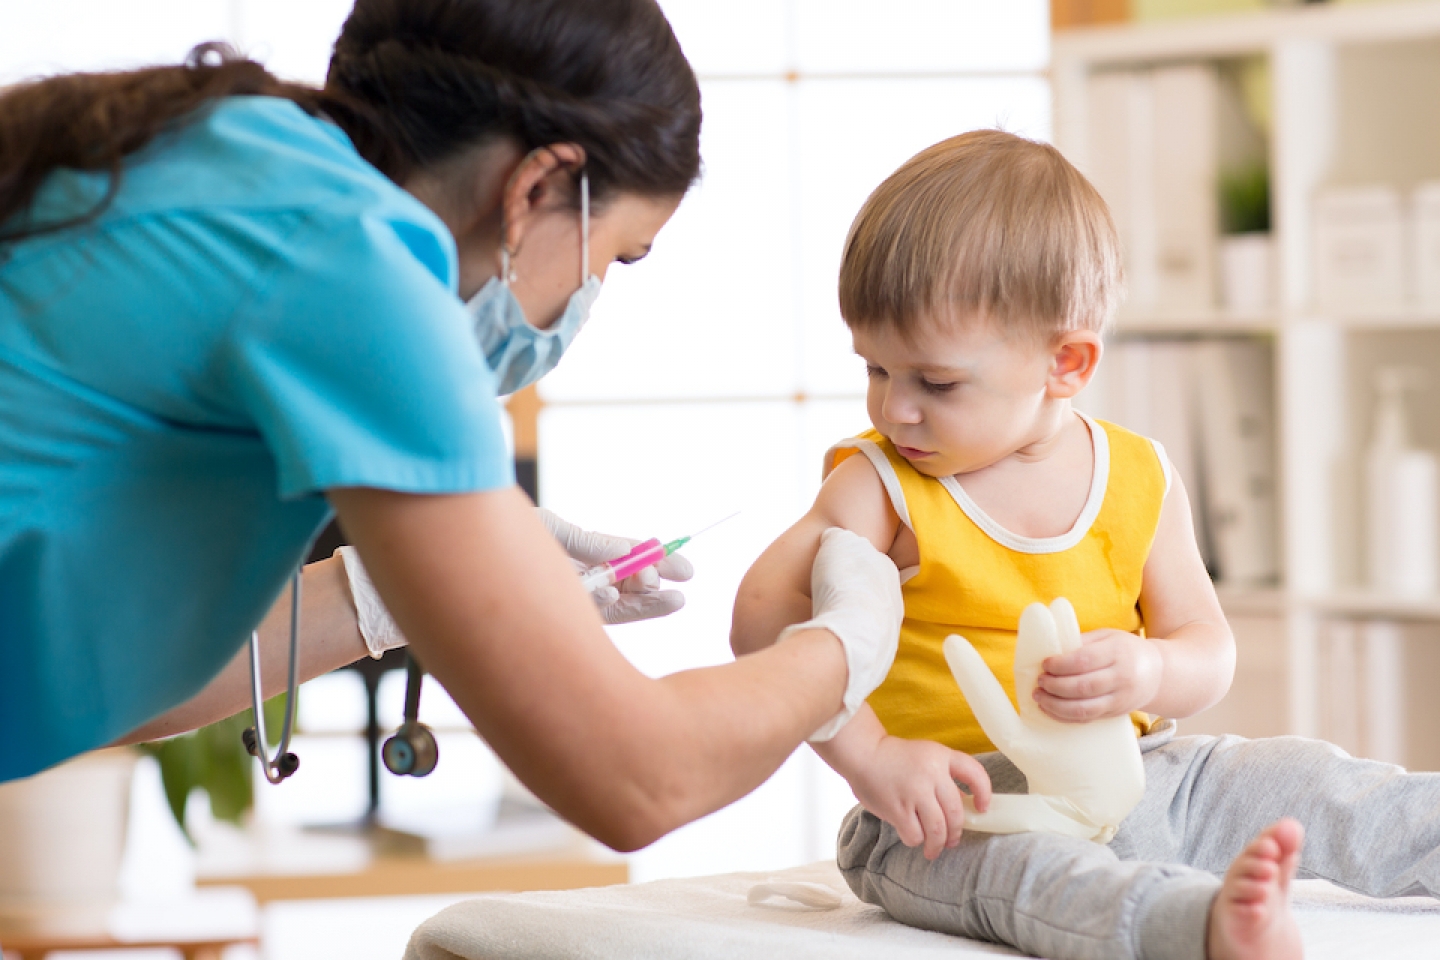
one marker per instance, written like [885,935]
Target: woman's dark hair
[412,82]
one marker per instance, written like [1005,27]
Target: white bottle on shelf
[1401,492]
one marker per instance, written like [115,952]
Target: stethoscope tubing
[278,768]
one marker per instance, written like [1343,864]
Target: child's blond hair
[986,225]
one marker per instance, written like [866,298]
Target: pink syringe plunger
[643,555]
[611,572]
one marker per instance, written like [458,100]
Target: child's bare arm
[776,590]
[1186,660]
[910,784]
[907,783]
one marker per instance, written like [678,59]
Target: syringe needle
[713,525]
[679,542]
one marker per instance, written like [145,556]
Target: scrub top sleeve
[358,366]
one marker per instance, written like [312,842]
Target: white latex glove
[638,597]
[376,628]
[855,594]
[1084,778]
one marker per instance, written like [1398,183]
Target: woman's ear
[1074,356]
[533,186]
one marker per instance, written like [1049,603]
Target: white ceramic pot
[1247,273]
[62,837]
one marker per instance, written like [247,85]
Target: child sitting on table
[976,282]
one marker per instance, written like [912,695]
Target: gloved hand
[855,594]
[1083,777]
[376,628]
[638,597]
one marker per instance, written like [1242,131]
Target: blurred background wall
[715,372]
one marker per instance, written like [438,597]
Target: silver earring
[507,272]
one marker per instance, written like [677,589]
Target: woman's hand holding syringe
[623,575]
[626,584]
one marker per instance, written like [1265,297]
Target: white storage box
[1425,246]
[1359,249]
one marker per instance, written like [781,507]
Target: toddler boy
[976,282]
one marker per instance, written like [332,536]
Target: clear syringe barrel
[610,572]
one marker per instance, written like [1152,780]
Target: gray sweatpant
[1370,827]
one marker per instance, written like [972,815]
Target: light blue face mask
[517,351]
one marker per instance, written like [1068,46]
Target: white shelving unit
[1351,102]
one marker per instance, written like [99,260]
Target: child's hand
[1113,673]
[910,784]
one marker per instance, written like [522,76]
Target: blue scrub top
[259,315]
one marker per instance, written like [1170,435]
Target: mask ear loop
[584,227]
[507,272]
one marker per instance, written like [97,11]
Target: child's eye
[932,387]
[873,371]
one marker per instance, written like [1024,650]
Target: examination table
[713,918]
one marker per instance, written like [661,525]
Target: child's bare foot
[1251,919]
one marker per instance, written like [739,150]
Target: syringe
[644,555]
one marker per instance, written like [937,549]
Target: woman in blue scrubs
[230,306]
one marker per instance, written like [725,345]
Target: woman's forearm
[493,608]
[719,732]
[329,639]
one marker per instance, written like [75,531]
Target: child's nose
[898,407]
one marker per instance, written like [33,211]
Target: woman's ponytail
[92,121]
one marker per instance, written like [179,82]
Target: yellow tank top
[975,578]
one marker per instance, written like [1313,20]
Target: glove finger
[594,547]
[558,526]
[604,596]
[646,581]
[675,568]
[584,545]
[631,607]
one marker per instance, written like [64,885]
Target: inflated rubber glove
[638,597]
[376,628]
[1084,778]
[855,594]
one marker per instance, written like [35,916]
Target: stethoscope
[411,752]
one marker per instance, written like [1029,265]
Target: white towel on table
[709,918]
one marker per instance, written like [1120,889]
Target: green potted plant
[214,759]
[1246,249]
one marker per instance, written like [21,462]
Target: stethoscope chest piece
[412,751]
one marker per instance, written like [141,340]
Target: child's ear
[1074,355]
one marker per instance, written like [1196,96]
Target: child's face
[960,397]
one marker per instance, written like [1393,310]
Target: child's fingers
[1085,660]
[908,829]
[1081,686]
[971,772]
[953,804]
[937,833]
[1076,711]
